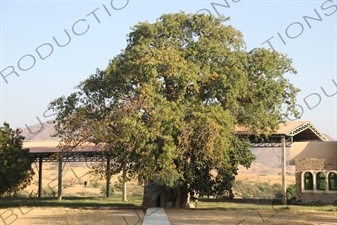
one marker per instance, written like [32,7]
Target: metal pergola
[72,156]
[287,133]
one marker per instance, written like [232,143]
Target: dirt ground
[75,174]
[67,216]
[243,217]
[108,215]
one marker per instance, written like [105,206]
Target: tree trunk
[184,198]
[181,198]
[177,198]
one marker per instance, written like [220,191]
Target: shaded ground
[243,216]
[67,216]
[70,202]
[106,215]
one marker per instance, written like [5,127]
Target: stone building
[316,170]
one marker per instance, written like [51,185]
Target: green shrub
[47,191]
[306,202]
[103,190]
[137,195]
[259,190]
[21,193]
[95,184]
[291,192]
[277,190]
[81,193]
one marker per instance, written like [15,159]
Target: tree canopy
[16,165]
[170,102]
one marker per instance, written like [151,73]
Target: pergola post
[108,176]
[124,182]
[40,177]
[59,191]
[284,186]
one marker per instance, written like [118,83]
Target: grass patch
[95,185]
[70,202]
[256,204]
[136,201]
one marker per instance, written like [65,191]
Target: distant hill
[39,132]
[268,161]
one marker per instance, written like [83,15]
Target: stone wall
[314,166]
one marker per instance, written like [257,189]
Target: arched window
[320,181]
[332,181]
[308,181]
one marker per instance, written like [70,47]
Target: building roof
[37,146]
[300,130]
[47,149]
[296,130]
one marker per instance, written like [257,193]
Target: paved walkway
[155,216]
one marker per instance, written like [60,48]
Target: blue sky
[27,29]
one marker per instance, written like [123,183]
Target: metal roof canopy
[293,132]
[48,151]
[287,133]
[73,156]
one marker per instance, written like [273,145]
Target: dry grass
[244,216]
[269,178]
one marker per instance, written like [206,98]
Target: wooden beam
[59,191]
[124,182]
[284,186]
[40,177]
[108,176]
